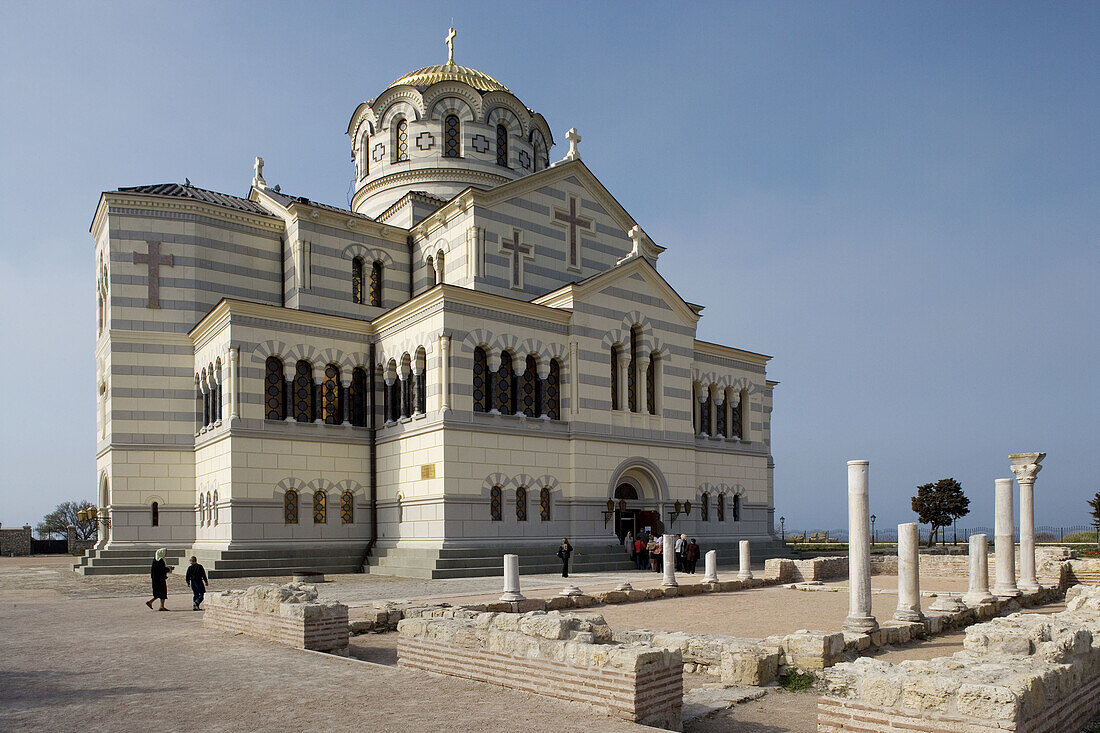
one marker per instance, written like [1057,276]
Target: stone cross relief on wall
[519,252]
[154,260]
[573,222]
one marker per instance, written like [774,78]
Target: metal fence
[889,533]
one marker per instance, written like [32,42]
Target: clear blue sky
[899,201]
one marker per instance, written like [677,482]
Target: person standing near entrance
[197,580]
[563,553]
[641,557]
[691,556]
[158,573]
[655,553]
[681,540]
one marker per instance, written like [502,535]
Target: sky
[898,201]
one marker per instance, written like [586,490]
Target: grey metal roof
[286,199]
[185,191]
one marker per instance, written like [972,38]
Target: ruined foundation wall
[290,614]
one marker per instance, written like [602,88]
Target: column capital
[1026,466]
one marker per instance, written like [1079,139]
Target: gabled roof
[287,199]
[194,193]
[576,291]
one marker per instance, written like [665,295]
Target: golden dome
[451,72]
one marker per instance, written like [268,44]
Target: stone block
[813,650]
[584,601]
[749,666]
[653,593]
[559,603]
[671,592]
[692,589]
[635,596]
[612,596]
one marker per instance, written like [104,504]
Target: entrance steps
[478,562]
[131,561]
[279,561]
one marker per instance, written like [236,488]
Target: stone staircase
[275,562]
[476,562]
[132,561]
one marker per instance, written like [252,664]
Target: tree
[939,504]
[60,519]
[1094,502]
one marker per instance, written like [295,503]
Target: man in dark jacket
[196,578]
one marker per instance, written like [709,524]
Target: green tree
[61,518]
[1094,502]
[939,504]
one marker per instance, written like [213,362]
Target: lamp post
[92,513]
[873,518]
[782,530]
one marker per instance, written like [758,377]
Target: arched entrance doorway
[638,489]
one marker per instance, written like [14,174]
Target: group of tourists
[195,578]
[647,550]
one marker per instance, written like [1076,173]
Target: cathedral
[478,356]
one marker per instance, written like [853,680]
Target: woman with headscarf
[564,551]
[159,574]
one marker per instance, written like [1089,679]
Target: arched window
[521,504]
[452,137]
[275,389]
[347,508]
[330,395]
[393,393]
[401,145]
[544,503]
[553,391]
[357,397]
[721,507]
[215,508]
[481,380]
[202,509]
[320,507]
[421,376]
[651,384]
[720,418]
[704,507]
[494,504]
[357,280]
[737,507]
[704,413]
[632,371]
[364,154]
[205,386]
[502,145]
[303,391]
[615,377]
[155,508]
[376,284]
[290,507]
[740,415]
[506,387]
[529,399]
[209,510]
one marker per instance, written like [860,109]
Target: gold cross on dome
[451,45]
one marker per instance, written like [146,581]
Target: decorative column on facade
[624,387]
[540,393]
[908,573]
[344,400]
[404,393]
[744,561]
[437,263]
[720,405]
[1004,537]
[387,398]
[642,384]
[198,405]
[418,385]
[492,362]
[301,264]
[859,618]
[978,592]
[574,380]
[319,393]
[204,388]
[216,383]
[668,556]
[234,383]
[1026,467]
[444,372]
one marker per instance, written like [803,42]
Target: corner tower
[440,130]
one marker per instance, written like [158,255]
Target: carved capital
[1026,466]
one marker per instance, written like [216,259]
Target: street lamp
[873,518]
[782,531]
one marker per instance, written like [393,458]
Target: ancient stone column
[1026,467]
[979,572]
[511,579]
[745,561]
[710,561]
[908,573]
[1004,535]
[859,619]
[668,555]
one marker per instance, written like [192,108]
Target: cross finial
[258,173]
[635,235]
[451,45]
[573,137]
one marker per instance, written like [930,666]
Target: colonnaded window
[632,371]
[529,399]
[215,508]
[320,507]
[357,280]
[651,384]
[402,145]
[736,508]
[553,391]
[544,503]
[506,386]
[452,137]
[330,395]
[494,504]
[615,377]
[376,284]
[720,418]
[357,396]
[481,380]
[721,507]
[521,504]
[155,510]
[704,507]
[347,508]
[502,145]
[303,391]
[275,389]
[290,507]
